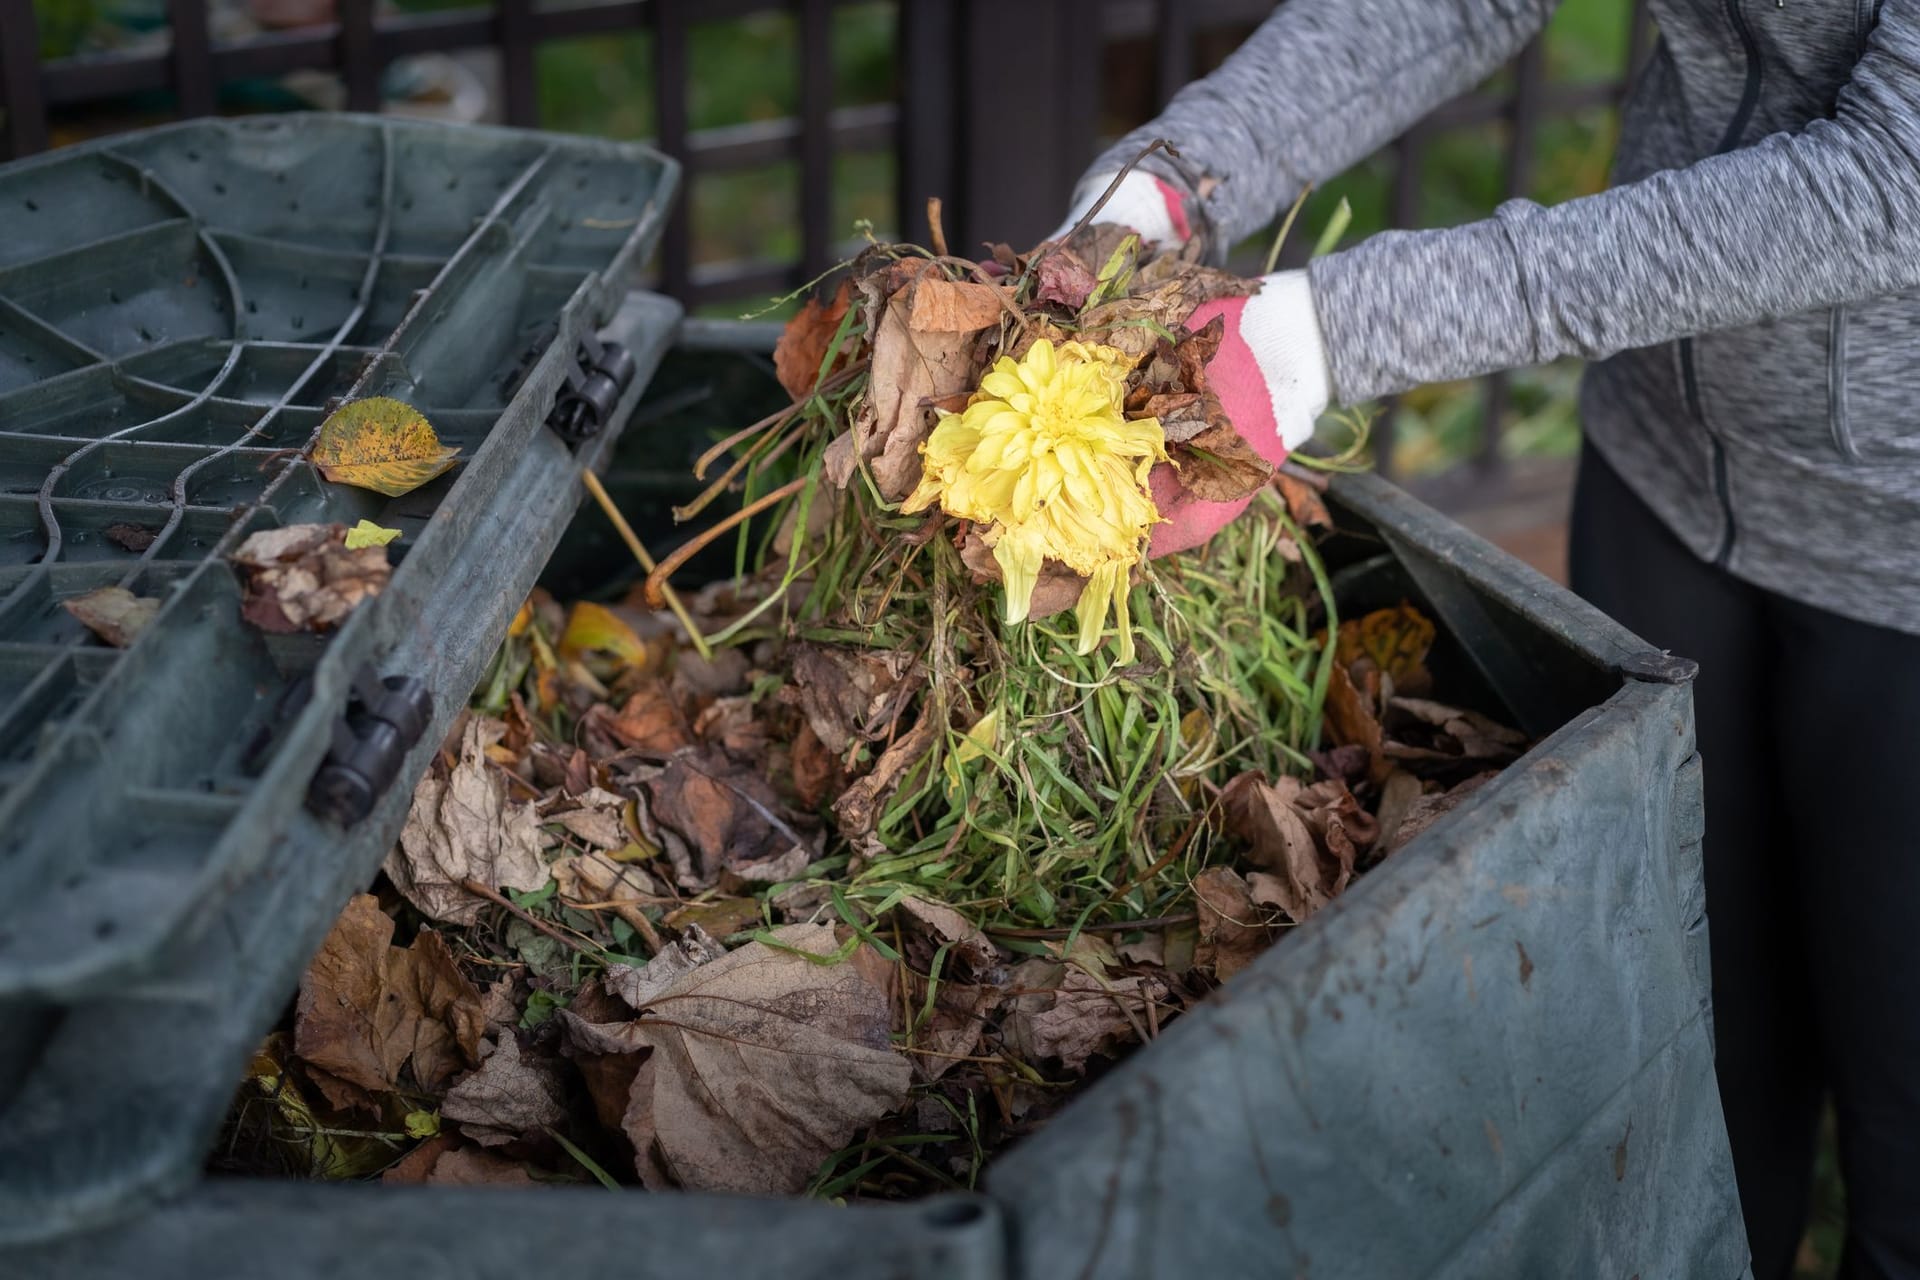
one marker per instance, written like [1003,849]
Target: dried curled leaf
[508,1097]
[758,1065]
[947,927]
[1070,1012]
[1353,720]
[367,1010]
[1309,838]
[114,614]
[462,827]
[1234,929]
[380,444]
[1063,278]
[803,344]
[725,822]
[640,987]
[303,577]
[851,694]
[911,369]
[1396,641]
[1217,465]
[858,807]
[955,306]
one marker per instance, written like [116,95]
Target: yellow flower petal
[1019,556]
[1044,460]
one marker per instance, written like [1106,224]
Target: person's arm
[1827,215]
[1320,85]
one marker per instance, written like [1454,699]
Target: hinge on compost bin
[602,370]
[383,720]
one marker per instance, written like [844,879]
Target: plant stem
[627,535]
[656,585]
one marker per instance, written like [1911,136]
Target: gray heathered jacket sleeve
[1322,84]
[1827,215]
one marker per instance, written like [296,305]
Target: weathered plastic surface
[1490,1058]
[176,307]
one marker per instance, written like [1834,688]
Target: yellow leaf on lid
[369,534]
[382,445]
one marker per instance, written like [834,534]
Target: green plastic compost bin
[1491,1057]
[181,820]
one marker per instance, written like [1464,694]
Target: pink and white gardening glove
[1272,379]
[1270,372]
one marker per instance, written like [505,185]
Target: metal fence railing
[1003,162]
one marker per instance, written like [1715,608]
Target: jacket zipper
[1839,415]
[1742,116]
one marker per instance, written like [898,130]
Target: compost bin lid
[179,310]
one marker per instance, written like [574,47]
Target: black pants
[1809,730]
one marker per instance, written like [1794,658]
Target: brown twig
[935,231]
[656,584]
[526,917]
[719,486]
[1165,860]
[727,446]
[628,909]
[1087,217]
[640,553]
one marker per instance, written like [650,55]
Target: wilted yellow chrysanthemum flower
[1043,459]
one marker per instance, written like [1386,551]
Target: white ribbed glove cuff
[1281,328]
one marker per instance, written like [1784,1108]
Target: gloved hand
[1272,379]
[1151,206]
[1270,373]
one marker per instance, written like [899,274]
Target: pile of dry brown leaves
[852,900]
[617,964]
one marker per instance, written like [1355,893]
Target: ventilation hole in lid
[105,929]
[32,207]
